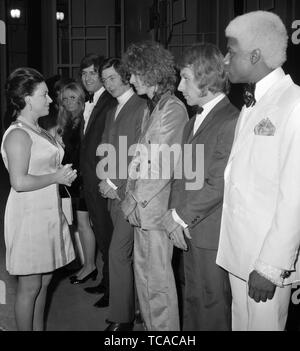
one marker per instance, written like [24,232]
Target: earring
[28,103]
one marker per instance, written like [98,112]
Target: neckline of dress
[41,132]
[37,128]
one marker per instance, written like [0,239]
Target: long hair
[153,63]
[207,63]
[64,116]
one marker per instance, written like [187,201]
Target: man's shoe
[99,289]
[119,327]
[103,302]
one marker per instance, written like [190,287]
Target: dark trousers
[102,227]
[207,296]
[121,283]
[178,269]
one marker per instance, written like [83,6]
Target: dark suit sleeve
[199,204]
[175,196]
[104,140]
[105,135]
[138,117]
[135,121]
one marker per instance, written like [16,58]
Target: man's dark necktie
[152,103]
[91,98]
[249,96]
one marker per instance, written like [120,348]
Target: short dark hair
[21,82]
[207,63]
[153,63]
[92,59]
[117,64]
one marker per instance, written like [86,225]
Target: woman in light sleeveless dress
[36,233]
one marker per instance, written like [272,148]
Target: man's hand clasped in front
[178,237]
[260,288]
[107,191]
[175,231]
[129,208]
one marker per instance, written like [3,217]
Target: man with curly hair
[148,188]
[260,228]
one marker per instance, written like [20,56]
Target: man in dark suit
[123,125]
[193,221]
[95,113]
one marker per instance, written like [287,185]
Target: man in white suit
[260,228]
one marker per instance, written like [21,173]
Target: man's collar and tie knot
[249,95]
[199,110]
[91,98]
[153,102]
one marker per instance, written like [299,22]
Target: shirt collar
[125,96]
[211,104]
[97,95]
[267,82]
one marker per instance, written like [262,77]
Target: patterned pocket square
[265,128]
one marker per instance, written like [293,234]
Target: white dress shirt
[198,121]
[121,102]
[260,90]
[89,106]
[206,110]
[123,99]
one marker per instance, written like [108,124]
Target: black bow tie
[249,96]
[91,98]
[199,110]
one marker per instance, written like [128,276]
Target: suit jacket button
[144,204]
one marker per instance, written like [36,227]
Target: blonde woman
[71,100]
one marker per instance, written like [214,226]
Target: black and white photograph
[150,168]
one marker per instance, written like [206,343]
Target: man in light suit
[193,221]
[92,129]
[148,189]
[260,228]
[123,121]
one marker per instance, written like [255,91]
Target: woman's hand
[66,175]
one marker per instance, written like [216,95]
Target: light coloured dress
[37,236]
